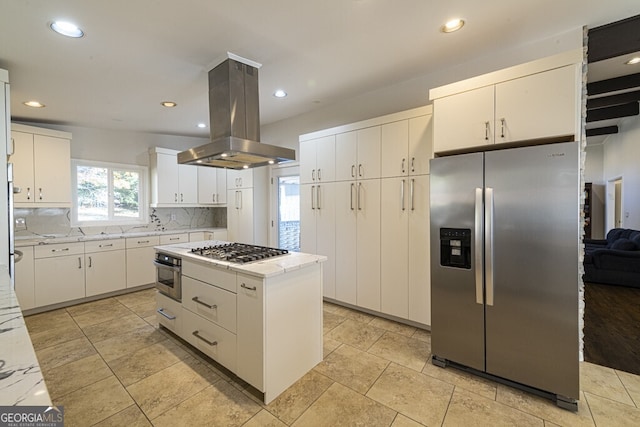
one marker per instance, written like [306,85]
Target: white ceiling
[137,53]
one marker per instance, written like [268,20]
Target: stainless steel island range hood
[234,116]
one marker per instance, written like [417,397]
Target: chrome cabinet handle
[240,181]
[488,243]
[502,122]
[200,337]
[28,193]
[181,197]
[249,288]
[353,171]
[403,168]
[318,197]
[40,190]
[353,187]
[106,246]
[173,238]
[90,262]
[319,174]
[168,316]
[359,191]
[240,199]
[313,174]
[209,306]
[486,131]
[478,246]
[143,241]
[313,197]
[412,184]
[360,169]
[175,197]
[60,250]
[79,262]
[402,195]
[413,161]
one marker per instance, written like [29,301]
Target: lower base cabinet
[25,280]
[211,339]
[105,266]
[169,313]
[140,253]
[59,273]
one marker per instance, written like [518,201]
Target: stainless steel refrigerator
[504,266]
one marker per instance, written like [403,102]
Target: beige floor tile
[64,353]
[341,406]
[632,383]
[354,314]
[129,417]
[218,405]
[113,328]
[609,413]
[89,307]
[402,421]
[327,306]
[545,408]
[403,350]
[50,320]
[356,334]
[165,389]
[353,368]
[328,345]
[133,299]
[418,396]
[462,379]
[603,382]
[297,398]
[391,326]
[119,346]
[98,312]
[145,362]
[94,403]
[468,408]
[152,320]
[264,419]
[56,336]
[330,321]
[144,310]
[73,376]
[422,335]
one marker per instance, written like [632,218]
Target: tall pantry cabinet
[379,233]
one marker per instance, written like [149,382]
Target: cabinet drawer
[169,313]
[104,245]
[211,302]
[174,238]
[209,274]
[59,249]
[141,242]
[214,341]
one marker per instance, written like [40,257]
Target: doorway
[284,230]
[614,203]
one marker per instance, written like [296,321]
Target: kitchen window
[108,194]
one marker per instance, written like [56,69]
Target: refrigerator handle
[478,246]
[488,243]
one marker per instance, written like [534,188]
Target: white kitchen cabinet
[240,226]
[211,339]
[358,154]
[42,167]
[172,239]
[169,313]
[368,251]
[24,279]
[317,236]
[239,178]
[59,273]
[395,148]
[220,234]
[211,302]
[419,252]
[171,184]
[346,243]
[140,255]
[212,186]
[105,266]
[251,330]
[318,160]
[420,144]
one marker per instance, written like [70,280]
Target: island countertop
[264,268]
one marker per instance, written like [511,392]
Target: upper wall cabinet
[407,147]
[533,101]
[358,154]
[212,186]
[318,160]
[42,166]
[171,184]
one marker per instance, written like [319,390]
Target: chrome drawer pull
[174,238]
[143,241]
[197,335]
[195,299]
[168,316]
[253,288]
[106,246]
[60,250]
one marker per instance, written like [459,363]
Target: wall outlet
[173,217]
[20,224]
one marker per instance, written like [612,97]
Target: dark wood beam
[614,39]
[615,112]
[608,101]
[611,85]
[606,130]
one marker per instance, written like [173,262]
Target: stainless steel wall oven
[168,275]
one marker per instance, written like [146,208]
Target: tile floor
[109,365]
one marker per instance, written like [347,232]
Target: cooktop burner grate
[238,252]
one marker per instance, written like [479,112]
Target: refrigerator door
[532,266]
[457,322]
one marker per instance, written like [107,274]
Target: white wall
[622,158]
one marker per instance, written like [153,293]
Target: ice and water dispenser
[455,247]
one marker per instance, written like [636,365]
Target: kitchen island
[261,320]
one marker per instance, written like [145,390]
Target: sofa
[614,260]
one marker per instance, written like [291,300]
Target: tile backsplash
[56,222]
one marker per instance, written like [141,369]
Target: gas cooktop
[238,252]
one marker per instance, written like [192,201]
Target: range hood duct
[234,116]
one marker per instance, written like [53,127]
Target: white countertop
[21,381]
[264,268]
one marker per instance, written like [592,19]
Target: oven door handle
[168,267]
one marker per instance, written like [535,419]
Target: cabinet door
[368,252]
[307,161]
[325,236]
[369,153]
[188,181]
[240,215]
[221,184]
[419,258]
[395,148]
[167,178]
[308,218]
[346,156]
[394,246]
[251,331]
[346,241]
[463,120]
[59,279]
[207,185]
[22,159]
[326,159]
[24,279]
[242,178]
[420,144]
[140,268]
[537,106]
[105,272]
[52,169]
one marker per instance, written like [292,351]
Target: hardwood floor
[612,326]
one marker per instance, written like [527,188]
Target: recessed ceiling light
[245,167]
[201,125]
[33,104]
[168,104]
[279,93]
[632,61]
[453,25]
[66,29]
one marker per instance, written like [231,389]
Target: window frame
[143,194]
